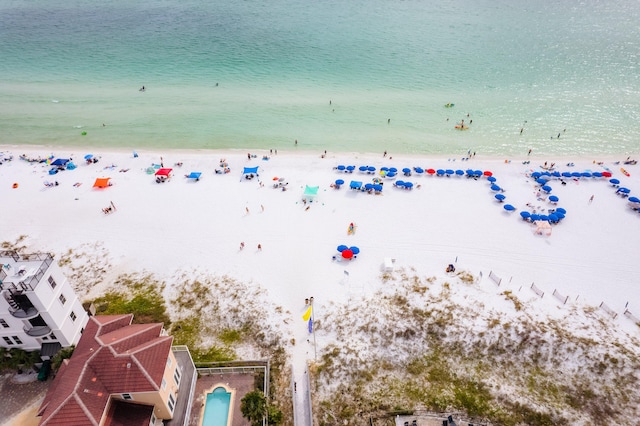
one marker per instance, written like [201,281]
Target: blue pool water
[216,410]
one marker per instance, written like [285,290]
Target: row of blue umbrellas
[554,216]
[578,175]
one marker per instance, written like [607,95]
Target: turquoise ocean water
[361,75]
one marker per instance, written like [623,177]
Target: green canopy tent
[310,193]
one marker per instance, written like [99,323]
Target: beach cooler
[388,264]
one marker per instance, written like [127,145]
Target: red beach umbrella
[431,171]
[347,254]
[487,173]
[606,174]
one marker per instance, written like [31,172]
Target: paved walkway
[19,392]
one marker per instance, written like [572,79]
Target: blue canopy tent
[355,184]
[500,197]
[60,162]
[71,166]
[194,175]
[310,193]
[250,171]
[509,207]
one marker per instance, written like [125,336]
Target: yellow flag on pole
[307,313]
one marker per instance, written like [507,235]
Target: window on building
[172,402]
[45,338]
[153,419]
[4,323]
[53,337]
[17,340]
[52,282]
[62,299]
[163,384]
[176,376]
[127,396]
[72,315]
[169,362]
[7,340]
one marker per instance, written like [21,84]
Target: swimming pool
[217,408]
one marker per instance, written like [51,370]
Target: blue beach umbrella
[545,174]
[525,215]
[469,172]
[624,190]
[491,179]
[459,172]
[541,181]
[536,175]
[585,174]
[393,169]
[377,187]
[362,168]
[534,217]
[399,183]
[553,217]
[509,207]
[544,217]
[341,167]
[634,199]
[342,247]
[556,174]
[371,169]
[440,172]
[408,184]
[406,170]
[566,174]
[88,156]
[561,210]
[384,169]
[614,181]
[546,188]
[391,175]
[354,249]
[576,174]
[368,186]
[419,170]
[559,215]
[500,197]
[449,172]
[351,168]
[553,199]
[597,174]
[339,182]
[495,187]
[477,173]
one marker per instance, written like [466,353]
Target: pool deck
[241,383]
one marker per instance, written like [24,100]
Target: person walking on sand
[246,209]
[259,247]
[591,199]
[242,245]
[262,208]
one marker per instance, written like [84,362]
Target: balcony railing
[24,313]
[42,330]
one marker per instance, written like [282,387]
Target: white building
[38,308]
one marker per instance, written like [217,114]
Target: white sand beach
[187,225]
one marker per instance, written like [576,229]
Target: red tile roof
[113,356]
